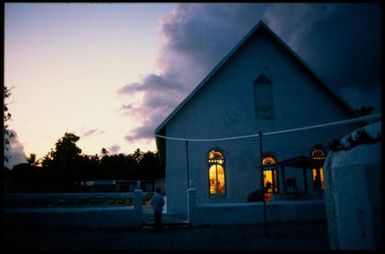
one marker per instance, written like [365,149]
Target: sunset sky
[111,72]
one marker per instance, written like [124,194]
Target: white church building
[260,86]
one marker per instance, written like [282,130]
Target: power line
[353,120]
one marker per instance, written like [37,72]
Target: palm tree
[31,160]
[104,152]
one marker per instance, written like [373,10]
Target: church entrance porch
[290,185]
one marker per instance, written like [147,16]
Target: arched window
[269,176]
[216,173]
[317,153]
[263,98]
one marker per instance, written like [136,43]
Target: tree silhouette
[89,167]
[137,155]
[104,152]
[7,117]
[65,168]
[64,161]
[32,160]
[149,166]
[28,178]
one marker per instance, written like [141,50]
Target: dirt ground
[283,236]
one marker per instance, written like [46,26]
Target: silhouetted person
[157,203]
[268,186]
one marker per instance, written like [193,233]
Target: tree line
[65,168]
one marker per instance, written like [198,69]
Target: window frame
[274,175]
[319,171]
[223,165]
[263,80]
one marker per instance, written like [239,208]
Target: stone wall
[352,197]
[92,217]
[252,213]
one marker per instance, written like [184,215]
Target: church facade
[260,86]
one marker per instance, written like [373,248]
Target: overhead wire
[353,120]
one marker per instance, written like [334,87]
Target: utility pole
[262,185]
[187,166]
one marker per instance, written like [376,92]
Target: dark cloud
[198,36]
[14,151]
[114,149]
[340,42]
[143,132]
[126,107]
[91,132]
[195,38]
[161,94]
[150,82]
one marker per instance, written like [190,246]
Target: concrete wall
[252,213]
[76,216]
[353,197]
[22,197]
[224,107]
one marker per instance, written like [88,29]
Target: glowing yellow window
[216,173]
[315,176]
[269,176]
[318,179]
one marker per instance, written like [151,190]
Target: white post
[138,208]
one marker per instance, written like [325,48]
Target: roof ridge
[211,73]
[260,24]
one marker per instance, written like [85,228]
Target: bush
[336,145]
[364,111]
[361,137]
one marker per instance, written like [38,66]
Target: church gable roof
[261,26]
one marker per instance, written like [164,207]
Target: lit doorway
[270,182]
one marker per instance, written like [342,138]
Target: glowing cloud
[14,151]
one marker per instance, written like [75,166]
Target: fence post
[138,208]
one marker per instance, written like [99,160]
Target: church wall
[224,107]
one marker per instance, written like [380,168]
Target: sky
[112,72]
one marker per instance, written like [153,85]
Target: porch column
[318,182]
[283,179]
[305,180]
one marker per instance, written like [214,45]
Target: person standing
[157,203]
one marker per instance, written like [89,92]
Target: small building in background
[121,185]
